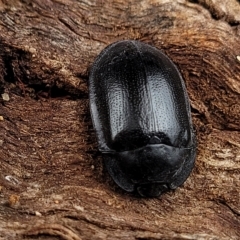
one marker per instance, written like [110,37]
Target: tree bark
[52,182]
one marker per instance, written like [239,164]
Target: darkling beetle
[141,114]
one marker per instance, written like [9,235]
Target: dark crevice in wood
[83,76]
[234,23]
[195,111]
[44,91]
[193,1]
[224,203]
[17,73]
[9,74]
[215,15]
[200,115]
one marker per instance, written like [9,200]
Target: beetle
[141,114]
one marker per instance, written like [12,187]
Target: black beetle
[141,113]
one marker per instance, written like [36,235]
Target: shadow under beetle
[141,113]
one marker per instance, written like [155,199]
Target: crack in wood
[214,12]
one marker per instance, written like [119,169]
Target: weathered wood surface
[52,182]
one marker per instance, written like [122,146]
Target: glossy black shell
[141,113]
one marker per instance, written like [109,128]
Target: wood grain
[52,182]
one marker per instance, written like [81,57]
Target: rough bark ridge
[52,183]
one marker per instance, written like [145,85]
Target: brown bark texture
[52,181]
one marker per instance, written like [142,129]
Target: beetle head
[149,170]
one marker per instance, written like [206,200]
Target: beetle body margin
[141,113]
